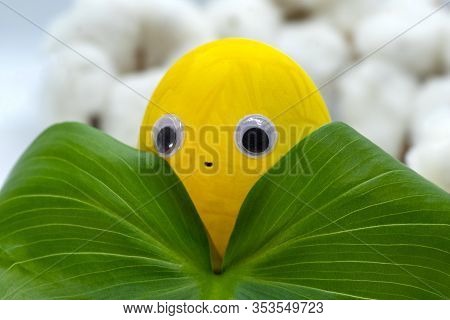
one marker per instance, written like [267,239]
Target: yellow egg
[223,115]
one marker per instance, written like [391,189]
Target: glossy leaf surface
[84,217]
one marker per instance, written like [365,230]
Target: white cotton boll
[111,25]
[377,96]
[418,6]
[343,14]
[384,132]
[431,160]
[321,50]
[169,29]
[431,109]
[375,87]
[347,14]
[119,36]
[432,126]
[330,95]
[445,55]
[76,89]
[289,6]
[417,50]
[254,19]
[317,47]
[123,115]
[316,6]
[135,34]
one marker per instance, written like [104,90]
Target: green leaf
[83,216]
[355,224]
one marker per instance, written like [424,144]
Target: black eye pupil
[166,140]
[255,140]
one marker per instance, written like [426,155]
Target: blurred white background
[383,65]
[21,67]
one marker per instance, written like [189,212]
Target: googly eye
[168,135]
[255,135]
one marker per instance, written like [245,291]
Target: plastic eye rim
[168,120]
[255,121]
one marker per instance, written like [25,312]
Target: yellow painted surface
[210,90]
